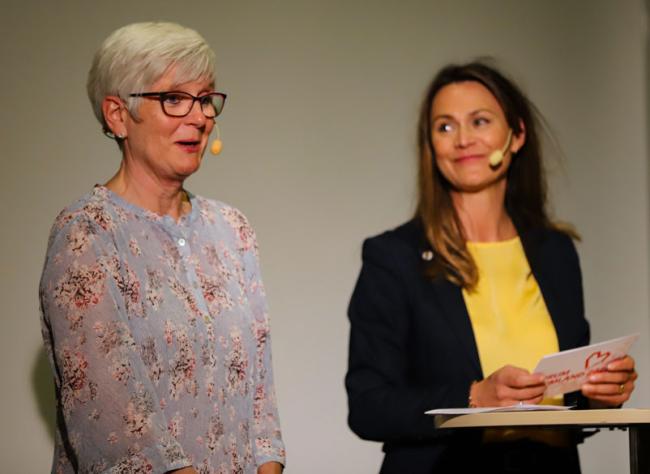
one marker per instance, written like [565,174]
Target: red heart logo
[596,358]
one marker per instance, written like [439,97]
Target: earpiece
[496,157]
[217,144]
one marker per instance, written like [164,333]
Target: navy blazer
[412,346]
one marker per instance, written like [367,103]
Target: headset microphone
[496,157]
[217,144]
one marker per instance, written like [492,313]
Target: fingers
[516,398]
[516,377]
[608,377]
[625,364]
[617,375]
[511,385]
[610,394]
[515,395]
[609,389]
[534,401]
[613,386]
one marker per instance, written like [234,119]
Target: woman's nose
[196,115]
[464,137]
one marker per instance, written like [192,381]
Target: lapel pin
[427,255]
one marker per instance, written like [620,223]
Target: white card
[566,371]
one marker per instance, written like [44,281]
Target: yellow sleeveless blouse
[509,316]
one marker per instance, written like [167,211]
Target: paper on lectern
[517,407]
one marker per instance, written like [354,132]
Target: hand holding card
[567,371]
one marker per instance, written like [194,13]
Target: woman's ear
[113,110]
[518,139]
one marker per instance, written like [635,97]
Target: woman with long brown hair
[455,307]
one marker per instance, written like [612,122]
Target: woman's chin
[189,166]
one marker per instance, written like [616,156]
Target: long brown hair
[525,199]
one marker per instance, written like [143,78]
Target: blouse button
[181,242]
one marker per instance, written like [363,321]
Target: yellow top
[510,320]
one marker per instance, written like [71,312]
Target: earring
[120,136]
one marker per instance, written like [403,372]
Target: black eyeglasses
[179,104]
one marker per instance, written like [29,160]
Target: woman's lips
[190,146]
[466,158]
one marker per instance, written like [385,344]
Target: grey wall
[319,153]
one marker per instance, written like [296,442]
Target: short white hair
[135,56]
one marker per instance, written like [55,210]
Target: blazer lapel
[542,267]
[454,311]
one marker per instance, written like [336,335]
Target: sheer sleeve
[112,418]
[268,444]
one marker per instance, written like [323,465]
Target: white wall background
[319,153]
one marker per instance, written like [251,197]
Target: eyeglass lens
[179,104]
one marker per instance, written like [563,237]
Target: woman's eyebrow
[442,116]
[482,110]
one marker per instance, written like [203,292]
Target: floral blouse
[158,337]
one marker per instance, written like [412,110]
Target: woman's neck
[483,215]
[149,192]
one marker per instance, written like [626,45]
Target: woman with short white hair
[153,309]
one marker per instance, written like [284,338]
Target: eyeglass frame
[161,95]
